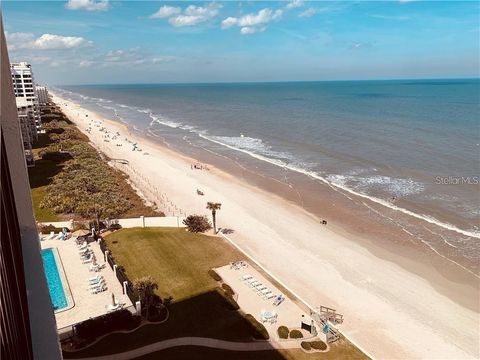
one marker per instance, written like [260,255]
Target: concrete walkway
[193,341]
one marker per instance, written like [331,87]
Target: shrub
[258,330]
[283,332]
[296,334]
[306,345]
[228,290]
[318,345]
[115,227]
[117,320]
[78,225]
[231,303]
[214,275]
[47,229]
[197,223]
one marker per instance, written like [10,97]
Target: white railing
[158,221]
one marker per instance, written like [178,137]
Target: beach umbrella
[80,233]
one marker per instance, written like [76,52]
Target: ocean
[407,151]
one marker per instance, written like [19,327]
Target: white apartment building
[42,94]
[27,127]
[23,85]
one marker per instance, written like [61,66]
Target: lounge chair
[270,296]
[255,283]
[98,289]
[101,283]
[87,261]
[95,279]
[246,277]
[51,236]
[83,246]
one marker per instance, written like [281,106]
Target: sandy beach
[389,311]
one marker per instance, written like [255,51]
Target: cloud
[165,12]
[45,42]
[229,22]
[254,22]
[308,13]
[294,4]
[248,30]
[192,15]
[89,5]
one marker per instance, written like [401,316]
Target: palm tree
[214,207]
[145,289]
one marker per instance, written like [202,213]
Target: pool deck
[289,313]
[85,304]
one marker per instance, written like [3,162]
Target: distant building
[42,94]
[28,106]
[27,125]
[23,86]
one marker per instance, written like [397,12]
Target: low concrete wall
[159,221]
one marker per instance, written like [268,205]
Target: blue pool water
[54,281]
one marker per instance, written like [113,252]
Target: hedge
[232,304]
[306,345]
[117,320]
[318,345]
[214,275]
[258,330]
[47,229]
[283,332]
[296,334]
[228,290]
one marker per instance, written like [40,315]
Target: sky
[109,42]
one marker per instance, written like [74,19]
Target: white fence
[158,221]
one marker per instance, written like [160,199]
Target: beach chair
[83,246]
[98,285]
[270,296]
[255,283]
[95,279]
[98,289]
[259,288]
[95,267]
[87,261]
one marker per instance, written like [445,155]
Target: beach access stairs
[325,316]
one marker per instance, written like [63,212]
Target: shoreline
[337,261]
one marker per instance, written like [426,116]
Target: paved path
[192,341]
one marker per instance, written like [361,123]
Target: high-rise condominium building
[24,87]
[42,94]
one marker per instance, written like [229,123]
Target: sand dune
[390,312]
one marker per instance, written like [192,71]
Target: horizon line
[271,81]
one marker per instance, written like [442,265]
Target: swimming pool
[55,286]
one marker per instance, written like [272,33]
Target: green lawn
[176,259]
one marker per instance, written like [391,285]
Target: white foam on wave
[162,121]
[339,185]
[394,186]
